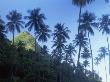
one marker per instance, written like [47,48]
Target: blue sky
[61,11]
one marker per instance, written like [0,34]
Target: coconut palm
[36,22]
[104,27]
[106,1]
[86,25]
[81,4]
[43,34]
[86,53]
[2,31]
[86,63]
[2,35]
[102,54]
[59,38]
[97,62]
[81,41]
[14,22]
[44,50]
[70,52]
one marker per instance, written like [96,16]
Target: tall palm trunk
[66,58]
[108,53]
[98,69]
[105,69]
[35,41]
[91,54]
[13,36]
[79,55]
[79,17]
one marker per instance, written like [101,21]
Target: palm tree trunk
[91,54]
[79,17]
[66,58]
[98,69]
[105,70]
[13,36]
[79,55]
[35,42]
[108,54]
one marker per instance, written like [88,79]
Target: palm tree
[59,38]
[104,27]
[102,54]
[87,22]
[86,63]
[43,34]
[81,3]
[97,62]
[2,31]
[86,53]
[2,35]
[36,21]
[70,52]
[44,50]
[81,41]
[14,22]
[106,1]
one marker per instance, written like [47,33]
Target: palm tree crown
[103,52]
[14,22]
[61,32]
[80,40]
[86,53]
[35,20]
[43,34]
[70,52]
[59,38]
[2,30]
[81,2]
[87,22]
[104,24]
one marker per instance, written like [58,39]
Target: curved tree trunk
[13,36]
[98,69]
[91,54]
[108,54]
[79,17]
[79,55]
[35,41]
[105,69]
[78,33]
[35,46]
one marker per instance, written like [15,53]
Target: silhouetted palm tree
[44,50]
[87,23]
[36,21]
[2,35]
[81,41]
[86,53]
[2,31]
[104,27]
[70,52]
[14,22]
[43,34]
[102,54]
[86,63]
[106,1]
[59,38]
[81,3]
[97,62]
